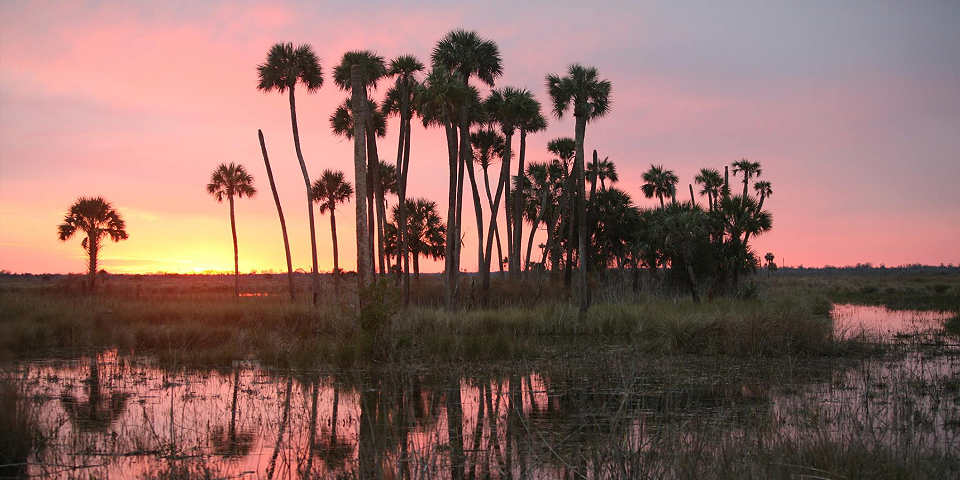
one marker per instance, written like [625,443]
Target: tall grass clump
[18,433]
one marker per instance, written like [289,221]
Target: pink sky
[853,110]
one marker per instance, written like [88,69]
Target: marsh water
[610,414]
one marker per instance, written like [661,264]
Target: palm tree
[438,100]
[232,181]
[404,68]
[466,55]
[425,230]
[97,218]
[682,229]
[329,190]
[372,69]
[504,108]
[283,223]
[284,68]
[660,183]
[531,121]
[565,148]
[589,96]
[605,170]
[538,178]
[764,190]
[712,185]
[748,169]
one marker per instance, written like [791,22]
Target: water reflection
[612,415]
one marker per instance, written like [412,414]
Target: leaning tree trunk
[236,254]
[582,210]
[501,185]
[336,252]
[306,181]
[536,223]
[479,214]
[518,210]
[493,219]
[360,170]
[283,224]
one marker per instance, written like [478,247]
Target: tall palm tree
[232,181]
[96,218]
[438,100]
[711,183]
[588,95]
[404,68]
[764,190]
[372,69]
[284,68]
[504,108]
[388,184]
[331,189]
[283,223]
[605,170]
[531,121]
[465,54]
[748,169]
[659,182]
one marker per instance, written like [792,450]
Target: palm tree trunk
[693,201]
[360,171]
[336,253]
[518,211]
[402,193]
[536,223]
[416,264]
[746,181]
[726,181]
[306,181]
[493,219]
[479,214]
[581,127]
[236,255]
[450,271]
[693,282]
[93,250]
[592,213]
[501,186]
[553,231]
[283,223]
[660,195]
[507,203]
[374,161]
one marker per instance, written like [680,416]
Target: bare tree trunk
[588,259]
[374,161]
[404,167]
[693,200]
[493,219]
[306,181]
[479,214]
[450,271]
[582,209]
[536,223]
[93,251]
[360,171]
[283,223]
[236,255]
[518,211]
[336,252]
[501,186]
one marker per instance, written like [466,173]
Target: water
[606,415]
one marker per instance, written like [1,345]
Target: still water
[605,415]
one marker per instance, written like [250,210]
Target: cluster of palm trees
[584,231]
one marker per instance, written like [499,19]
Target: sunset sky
[853,108]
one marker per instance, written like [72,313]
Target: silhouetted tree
[232,181]
[96,218]
[284,68]
[329,190]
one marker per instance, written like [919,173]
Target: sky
[853,109]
